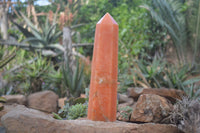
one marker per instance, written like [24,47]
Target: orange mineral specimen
[103,85]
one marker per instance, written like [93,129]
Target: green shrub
[30,78]
[159,74]
[36,74]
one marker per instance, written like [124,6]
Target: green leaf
[75,77]
[56,116]
[35,31]
[23,30]
[55,36]
[35,41]
[191,81]
[56,46]
[80,80]
[50,34]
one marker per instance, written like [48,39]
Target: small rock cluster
[145,105]
[34,115]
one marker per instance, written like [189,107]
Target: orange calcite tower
[103,84]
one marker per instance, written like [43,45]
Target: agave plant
[175,76]
[31,77]
[73,79]
[43,38]
[148,74]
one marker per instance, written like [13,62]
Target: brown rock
[124,99]
[170,94]
[24,120]
[46,101]
[151,108]
[6,109]
[18,99]
[61,102]
[83,96]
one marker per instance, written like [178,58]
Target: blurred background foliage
[158,44]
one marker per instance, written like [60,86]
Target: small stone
[122,98]
[151,108]
[46,101]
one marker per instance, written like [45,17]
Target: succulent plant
[41,39]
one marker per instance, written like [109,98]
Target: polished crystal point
[103,84]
